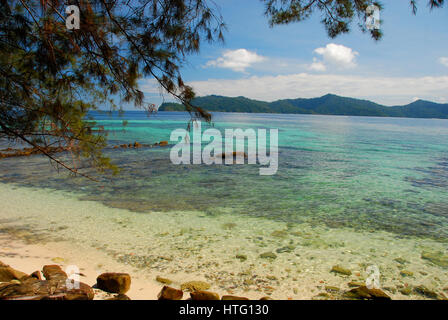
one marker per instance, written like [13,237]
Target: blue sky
[300,60]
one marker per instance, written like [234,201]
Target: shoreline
[28,258]
[41,228]
[31,257]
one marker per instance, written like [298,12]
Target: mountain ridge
[329,104]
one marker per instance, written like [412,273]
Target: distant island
[329,104]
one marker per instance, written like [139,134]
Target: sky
[299,60]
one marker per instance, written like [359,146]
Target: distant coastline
[326,105]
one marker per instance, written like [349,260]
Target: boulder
[204,295]
[36,275]
[228,297]
[114,282]
[120,297]
[169,293]
[163,143]
[365,293]
[84,292]
[7,274]
[195,286]
[33,289]
[54,272]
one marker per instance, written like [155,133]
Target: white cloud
[385,90]
[338,55]
[317,66]
[444,61]
[237,60]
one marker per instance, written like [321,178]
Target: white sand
[91,263]
[41,227]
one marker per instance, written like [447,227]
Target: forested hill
[329,104]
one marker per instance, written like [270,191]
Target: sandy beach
[28,258]
[41,227]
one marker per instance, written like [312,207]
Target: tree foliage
[51,77]
[337,15]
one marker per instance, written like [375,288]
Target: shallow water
[349,190]
[365,173]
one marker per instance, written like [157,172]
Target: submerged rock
[287,249]
[437,258]
[425,292]
[241,257]
[195,286]
[233,155]
[204,295]
[406,273]
[268,255]
[168,293]
[279,234]
[137,145]
[321,296]
[340,270]
[229,225]
[332,289]
[163,280]
[114,282]
[390,289]
[401,261]
[58,260]
[406,291]
[365,293]
[353,284]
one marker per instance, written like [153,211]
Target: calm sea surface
[364,173]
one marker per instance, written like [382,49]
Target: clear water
[350,191]
[358,172]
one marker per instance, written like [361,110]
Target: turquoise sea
[340,180]
[367,173]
